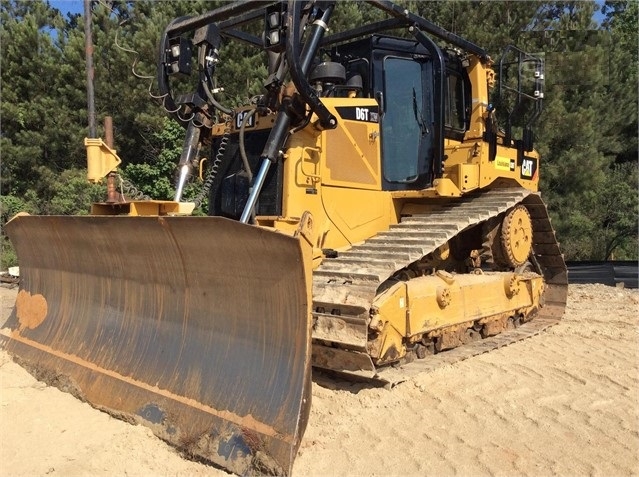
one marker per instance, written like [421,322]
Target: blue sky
[68,6]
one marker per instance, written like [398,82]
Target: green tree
[154,178]
[32,118]
[587,134]
[580,131]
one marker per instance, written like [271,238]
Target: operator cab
[398,73]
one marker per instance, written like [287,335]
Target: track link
[344,287]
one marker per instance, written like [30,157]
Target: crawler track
[344,287]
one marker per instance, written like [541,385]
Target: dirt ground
[563,403]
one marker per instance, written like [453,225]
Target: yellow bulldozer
[371,214]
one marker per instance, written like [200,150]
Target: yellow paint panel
[357,214]
[434,303]
[352,150]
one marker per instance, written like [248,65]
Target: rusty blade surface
[195,326]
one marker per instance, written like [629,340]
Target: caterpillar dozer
[370,214]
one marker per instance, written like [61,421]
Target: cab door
[406,123]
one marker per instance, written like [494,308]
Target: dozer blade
[197,327]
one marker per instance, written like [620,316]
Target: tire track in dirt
[564,402]
[561,403]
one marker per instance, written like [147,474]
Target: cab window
[404,119]
[454,102]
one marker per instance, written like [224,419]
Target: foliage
[587,135]
[154,176]
[66,194]
[71,194]
[9,207]
[584,135]
[29,108]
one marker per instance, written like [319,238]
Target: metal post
[88,48]
[112,192]
[259,183]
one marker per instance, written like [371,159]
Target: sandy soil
[563,403]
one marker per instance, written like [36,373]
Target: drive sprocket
[516,236]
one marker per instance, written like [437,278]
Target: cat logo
[250,122]
[528,168]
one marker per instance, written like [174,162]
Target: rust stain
[30,309]
[247,421]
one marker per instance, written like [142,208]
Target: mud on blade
[195,326]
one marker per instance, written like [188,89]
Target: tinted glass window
[403,120]
[454,107]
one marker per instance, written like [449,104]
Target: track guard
[198,327]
